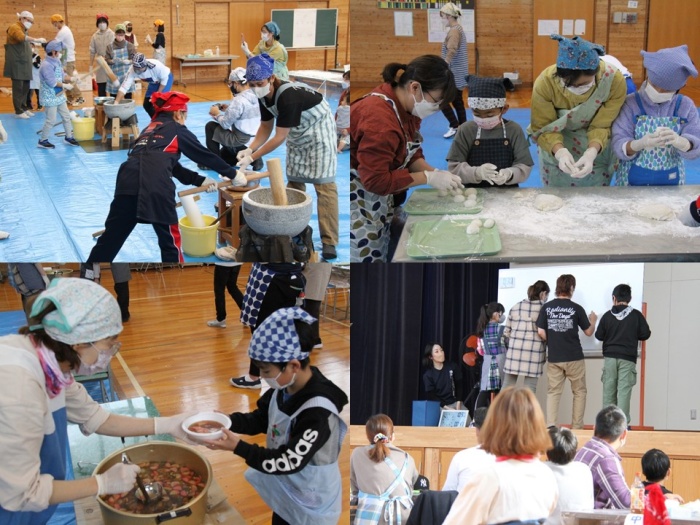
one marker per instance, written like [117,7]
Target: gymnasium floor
[52,201]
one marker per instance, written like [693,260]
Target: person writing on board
[558,324]
[303,119]
[620,329]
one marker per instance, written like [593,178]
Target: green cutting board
[448,238]
[427,202]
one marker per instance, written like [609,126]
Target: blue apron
[312,496]
[659,166]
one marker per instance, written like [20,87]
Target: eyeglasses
[111,351]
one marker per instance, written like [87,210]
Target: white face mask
[265,36]
[488,122]
[272,382]
[27,25]
[344,84]
[262,92]
[424,109]
[102,363]
[581,90]
[102,26]
[655,96]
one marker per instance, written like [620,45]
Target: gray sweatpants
[50,112]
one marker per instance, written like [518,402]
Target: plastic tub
[198,242]
[83,128]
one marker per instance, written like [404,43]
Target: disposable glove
[148,39]
[584,166]
[648,141]
[126,61]
[74,79]
[443,180]
[116,83]
[244,163]
[246,152]
[173,425]
[210,184]
[485,172]
[117,479]
[566,161]
[240,179]
[67,86]
[244,47]
[671,138]
[686,215]
[502,177]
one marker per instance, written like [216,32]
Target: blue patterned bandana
[85,312]
[276,339]
[259,67]
[577,53]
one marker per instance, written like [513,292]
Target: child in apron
[296,473]
[118,57]
[574,103]
[658,128]
[489,150]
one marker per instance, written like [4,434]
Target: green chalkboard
[321,34]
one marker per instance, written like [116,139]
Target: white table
[595,224]
[199,60]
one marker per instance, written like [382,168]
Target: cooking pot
[193,513]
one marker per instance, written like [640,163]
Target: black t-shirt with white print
[561,319]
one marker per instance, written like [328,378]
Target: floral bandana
[56,379]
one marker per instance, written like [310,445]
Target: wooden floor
[171,355]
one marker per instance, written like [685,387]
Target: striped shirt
[459,62]
[609,488]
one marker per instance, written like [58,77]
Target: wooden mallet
[275,170]
[104,65]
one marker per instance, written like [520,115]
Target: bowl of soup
[206,426]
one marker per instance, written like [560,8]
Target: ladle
[147,493]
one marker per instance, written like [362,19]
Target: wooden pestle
[279,191]
[104,65]
[249,175]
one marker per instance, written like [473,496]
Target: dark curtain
[396,310]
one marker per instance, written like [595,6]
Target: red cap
[169,101]
[101,15]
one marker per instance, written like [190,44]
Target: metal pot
[191,514]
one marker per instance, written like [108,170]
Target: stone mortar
[124,110]
[265,218]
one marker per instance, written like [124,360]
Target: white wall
[672,386]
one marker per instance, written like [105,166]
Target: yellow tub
[83,128]
[198,242]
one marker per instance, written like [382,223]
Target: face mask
[102,363]
[102,26]
[501,318]
[128,29]
[489,122]
[581,90]
[27,25]
[655,96]
[119,38]
[233,89]
[272,382]
[445,21]
[265,36]
[424,108]
[344,84]
[262,92]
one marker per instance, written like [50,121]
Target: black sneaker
[257,165]
[72,141]
[244,382]
[328,252]
[46,144]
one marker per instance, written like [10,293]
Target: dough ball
[458,198]
[546,202]
[469,203]
[474,227]
[471,197]
[442,193]
[478,222]
[470,191]
[489,223]
[658,212]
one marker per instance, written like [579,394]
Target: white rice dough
[478,222]
[470,191]
[474,227]
[658,212]
[489,223]
[545,202]
[442,193]
[459,198]
[469,203]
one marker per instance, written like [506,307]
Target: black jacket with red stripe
[155,159]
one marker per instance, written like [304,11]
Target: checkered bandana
[485,93]
[276,340]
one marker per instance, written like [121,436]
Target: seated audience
[467,461]
[656,467]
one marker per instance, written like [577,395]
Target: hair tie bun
[380,437]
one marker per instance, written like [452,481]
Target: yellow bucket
[198,242]
[83,128]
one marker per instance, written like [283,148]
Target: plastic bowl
[223,419]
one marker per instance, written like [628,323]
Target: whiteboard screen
[304,28]
[594,286]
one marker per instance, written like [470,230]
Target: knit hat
[169,101]
[54,45]
[487,93]
[120,28]
[56,18]
[101,15]
[237,75]
[139,61]
[25,14]
[273,28]
[276,339]
[669,68]
[85,311]
[259,67]
[451,10]
[577,53]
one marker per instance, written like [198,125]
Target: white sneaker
[217,324]
[451,132]
[4,235]
[29,113]
[22,115]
